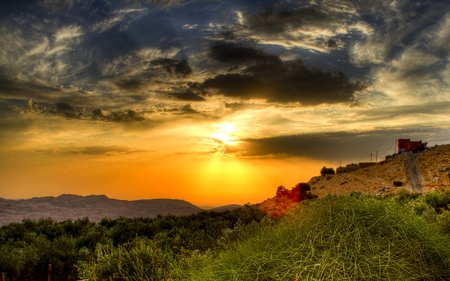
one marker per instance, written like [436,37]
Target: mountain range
[95,207]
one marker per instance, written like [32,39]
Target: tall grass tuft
[338,238]
[138,260]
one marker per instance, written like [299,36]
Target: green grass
[356,237]
[338,238]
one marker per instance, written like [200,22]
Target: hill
[417,172]
[230,207]
[388,176]
[95,207]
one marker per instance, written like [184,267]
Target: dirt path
[415,178]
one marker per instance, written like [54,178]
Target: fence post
[49,272]
[2,276]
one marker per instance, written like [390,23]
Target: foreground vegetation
[27,248]
[357,237]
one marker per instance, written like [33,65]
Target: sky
[212,101]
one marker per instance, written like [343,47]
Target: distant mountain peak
[94,207]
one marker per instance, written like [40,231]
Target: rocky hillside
[433,168]
[95,207]
[417,172]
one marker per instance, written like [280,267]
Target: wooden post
[89,259]
[49,272]
[2,276]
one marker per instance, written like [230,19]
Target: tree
[327,171]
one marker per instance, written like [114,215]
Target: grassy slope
[339,238]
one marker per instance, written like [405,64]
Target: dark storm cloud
[130,84]
[232,53]
[336,146]
[66,110]
[172,66]
[187,95]
[70,112]
[268,77]
[332,44]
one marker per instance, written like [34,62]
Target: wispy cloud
[120,18]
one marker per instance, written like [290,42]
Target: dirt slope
[417,172]
[431,174]
[367,180]
[434,166]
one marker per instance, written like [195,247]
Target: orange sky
[212,180]
[213,102]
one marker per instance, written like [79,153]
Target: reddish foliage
[286,199]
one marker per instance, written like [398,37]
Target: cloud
[331,146]
[70,112]
[130,84]
[442,34]
[133,72]
[12,88]
[93,150]
[188,110]
[34,53]
[108,150]
[159,3]
[172,66]
[187,95]
[57,5]
[127,116]
[268,77]
[120,17]
[415,75]
[312,27]
[232,53]
[66,110]
[68,33]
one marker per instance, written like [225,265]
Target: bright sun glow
[224,132]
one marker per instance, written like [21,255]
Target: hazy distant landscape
[94,207]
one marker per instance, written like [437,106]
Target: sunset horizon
[212,102]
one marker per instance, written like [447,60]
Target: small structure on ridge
[406,145]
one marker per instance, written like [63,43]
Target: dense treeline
[27,248]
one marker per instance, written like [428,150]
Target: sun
[224,132]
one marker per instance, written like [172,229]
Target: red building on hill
[408,145]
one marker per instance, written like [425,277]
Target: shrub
[327,171]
